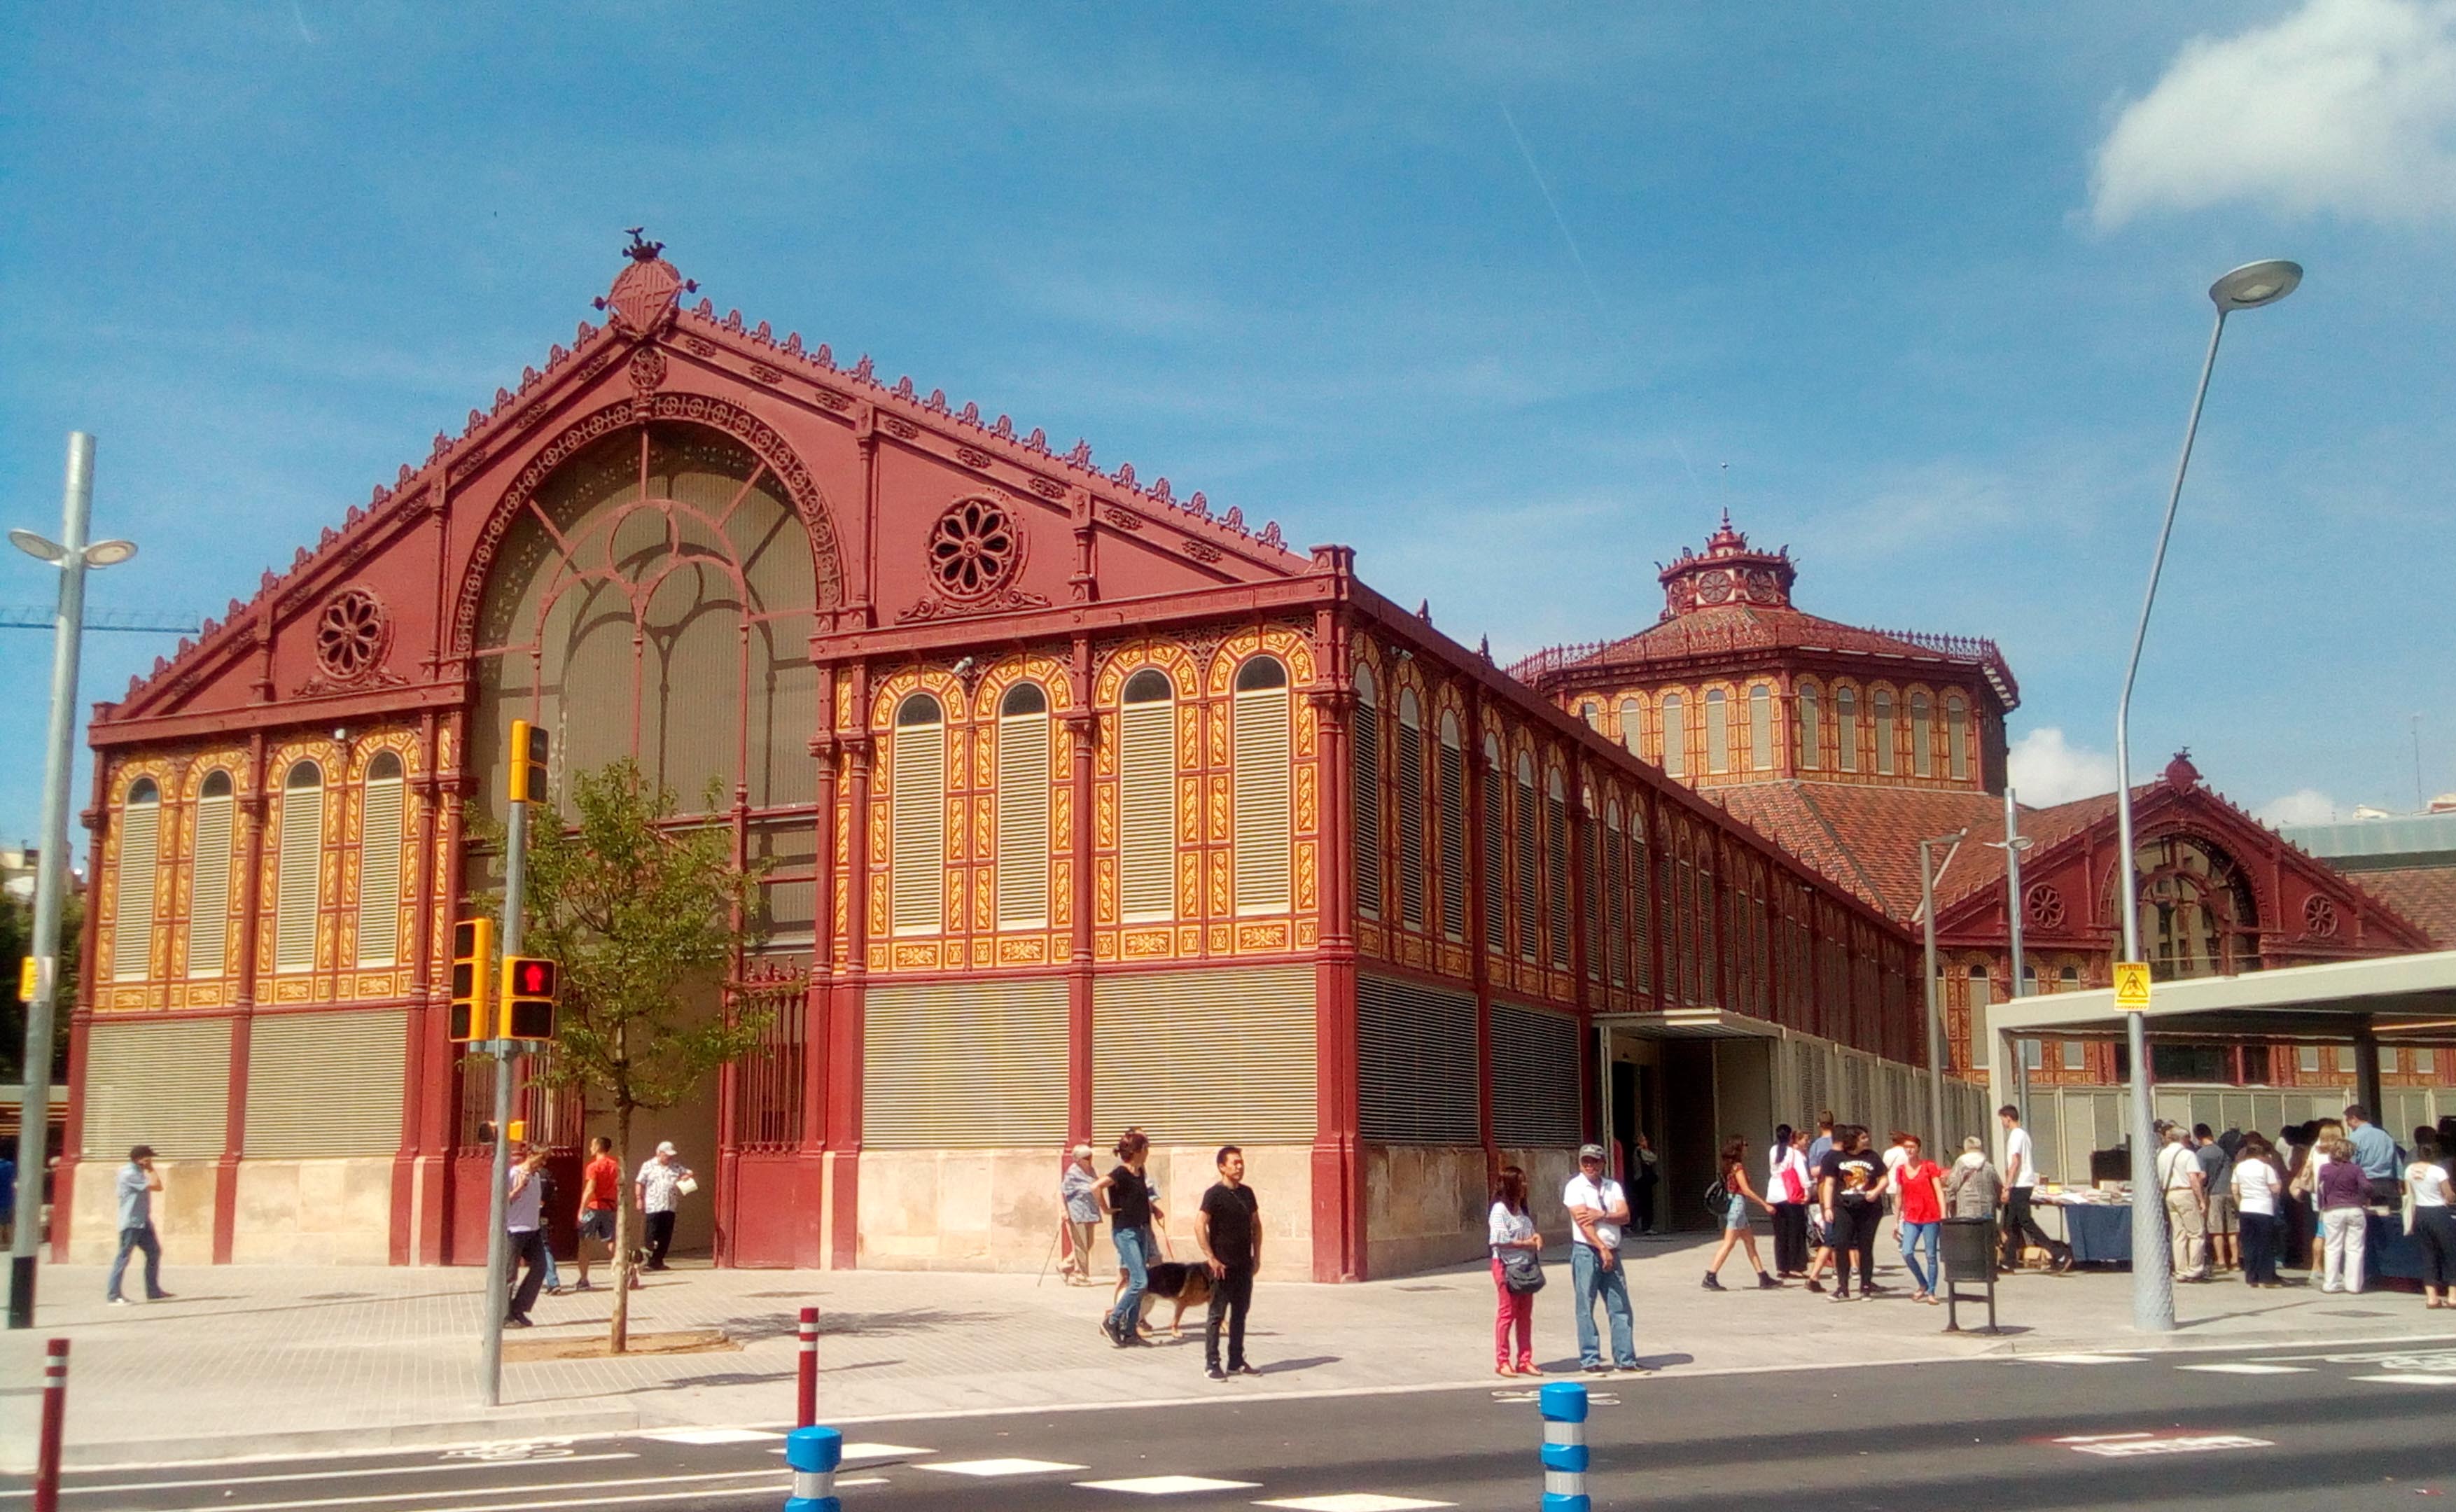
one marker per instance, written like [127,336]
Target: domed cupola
[1729,572]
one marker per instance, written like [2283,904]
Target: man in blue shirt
[2374,1150]
[138,1181]
[8,1198]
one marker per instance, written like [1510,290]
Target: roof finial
[642,248]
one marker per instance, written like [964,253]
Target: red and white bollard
[806,1409]
[55,1412]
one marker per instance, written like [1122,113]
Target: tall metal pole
[2153,1283]
[2013,846]
[51,884]
[1934,1003]
[498,1255]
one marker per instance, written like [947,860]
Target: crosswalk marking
[866,1450]
[2130,1445]
[2081,1360]
[1354,1501]
[2411,1379]
[2248,1369]
[994,1467]
[706,1437]
[1166,1484]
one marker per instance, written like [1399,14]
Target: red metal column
[256,805]
[1339,1237]
[810,1186]
[1479,959]
[844,998]
[1082,727]
[420,1062]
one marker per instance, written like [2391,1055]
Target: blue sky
[1916,289]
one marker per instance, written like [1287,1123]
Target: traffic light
[473,948]
[529,986]
[528,763]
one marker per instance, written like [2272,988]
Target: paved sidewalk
[257,1359]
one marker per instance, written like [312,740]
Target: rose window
[351,635]
[2046,906]
[2319,917]
[975,548]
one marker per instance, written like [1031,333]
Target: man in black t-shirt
[1231,1237]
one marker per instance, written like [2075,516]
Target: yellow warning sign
[2132,986]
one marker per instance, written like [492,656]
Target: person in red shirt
[600,1182]
[1918,1182]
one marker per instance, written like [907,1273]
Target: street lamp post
[1934,1003]
[2153,1288]
[2013,842]
[73,556]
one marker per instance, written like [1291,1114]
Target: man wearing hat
[659,1189]
[1082,1213]
[1597,1209]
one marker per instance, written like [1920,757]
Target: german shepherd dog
[1176,1282]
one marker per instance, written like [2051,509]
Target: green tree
[16,939]
[647,917]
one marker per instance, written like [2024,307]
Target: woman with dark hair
[2427,1188]
[1851,1191]
[2258,1187]
[1512,1235]
[1788,1185]
[1737,1194]
[1125,1195]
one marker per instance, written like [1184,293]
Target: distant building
[2408,861]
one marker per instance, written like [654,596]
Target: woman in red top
[1918,1182]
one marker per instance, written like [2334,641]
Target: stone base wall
[997,1209]
[1429,1205]
[184,1214]
[336,1212]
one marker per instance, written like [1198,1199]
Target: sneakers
[116,1301]
[1248,1370]
[1598,1368]
[2063,1263]
[1839,1297]
[1711,1283]
[1215,1373]
[1815,1285]
[517,1320]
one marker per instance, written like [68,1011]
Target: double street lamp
[2153,1291]
[72,555]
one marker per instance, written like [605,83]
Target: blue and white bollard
[1563,1403]
[814,1453]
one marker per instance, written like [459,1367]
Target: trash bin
[1967,1247]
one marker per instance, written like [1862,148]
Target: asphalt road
[2358,1428]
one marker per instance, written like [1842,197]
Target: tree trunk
[618,1336]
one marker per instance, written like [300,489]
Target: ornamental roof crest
[648,292]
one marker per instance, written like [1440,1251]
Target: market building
[1850,746]
[1083,805]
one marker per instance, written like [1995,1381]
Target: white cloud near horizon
[2304,806]
[2047,769]
[2343,106]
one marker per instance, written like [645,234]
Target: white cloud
[2046,769]
[2345,105]
[2304,806]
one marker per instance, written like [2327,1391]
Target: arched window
[1675,736]
[1640,900]
[1718,732]
[1956,736]
[2197,916]
[1811,734]
[1366,781]
[1453,795]
[1556,870]
[1632,720]
[1023,808]
[1846,728]
[1982,993]
[299,891]
[1761,728]
[1884,732]
[209,879]
[1496,851]
[1922,737]
[1411,811]
[381,811]
[1615,902]
[1590,901]
[1260,774]
[1147,798]
[916,812]
[140,847]
[1526,831]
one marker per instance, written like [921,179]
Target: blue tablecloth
[2101,1233]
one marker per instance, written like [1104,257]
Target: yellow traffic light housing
[530,985]
[473,948]
[528,763]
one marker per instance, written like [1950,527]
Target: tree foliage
[17,941]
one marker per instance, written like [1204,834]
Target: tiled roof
[1719,632]
[2425,895]
[1867,837]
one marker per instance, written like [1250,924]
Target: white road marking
[530,1505]
[994,1467]
[2127,1446]
[2414,1379]
[1354,1501]
[304,1474]
[2246,1368]
[2082,1360]
[711,1435]
[1166,1484]
[765,1473]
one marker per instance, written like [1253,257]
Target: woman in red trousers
[1513,1232]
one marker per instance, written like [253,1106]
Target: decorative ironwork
[974,549]
[767,1103]
[2044,906]
[352,635]
[2319,917]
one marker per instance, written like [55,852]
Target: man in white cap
[659,1189]
[1082,1213]
[1597,1209]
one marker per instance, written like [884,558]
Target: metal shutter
[209,888]
[131,937]
[1590,874]
[164,1084]
[1205,1056]
[1369,811]
[1411,816]
[1556,876]
[1496,884]
[964,1065]
[1528,820]
[1147,810]
[1259,801]
[1453,779]
[1535,1089]
[379,873]
[1023,821]
[325,1084]
[302,849]
[1615,918]
[1415,1063]
[917,828]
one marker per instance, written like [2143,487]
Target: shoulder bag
[1522,1271]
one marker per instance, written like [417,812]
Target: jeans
[2262,1233]
[2345,1232]
[527,1246]
[140,1238]
[1232,1298]
[1130,1255]
[1513,1311]
[1588,1277]
[1920,1238]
